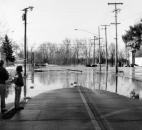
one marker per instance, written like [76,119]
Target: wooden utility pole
[25,45]
[99,47]
[116,10]
[94,52]
[105,27]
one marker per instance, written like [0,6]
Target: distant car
[127,65]
[88,65]
[131,65]
[136,65]
[95,65]
[41,64]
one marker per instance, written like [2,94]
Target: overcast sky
[55,20]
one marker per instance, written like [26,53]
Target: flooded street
[63,77]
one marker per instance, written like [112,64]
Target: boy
[18,80]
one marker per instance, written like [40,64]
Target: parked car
[88,65]
[94,65]
[131,65]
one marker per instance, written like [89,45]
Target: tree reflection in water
[54,79]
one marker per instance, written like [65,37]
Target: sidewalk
[61,109]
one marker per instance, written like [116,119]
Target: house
[138,57]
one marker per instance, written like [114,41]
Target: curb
[104,125]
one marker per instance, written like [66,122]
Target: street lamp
[24,17]
[83,30]
[95,38]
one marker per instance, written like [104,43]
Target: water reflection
[94,82]
[133,71]
[32,77]
[106,79]
[116,82]
[40,82]
[120,85]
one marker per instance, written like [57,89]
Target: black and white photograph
[70,65]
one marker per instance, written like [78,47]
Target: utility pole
[105,27]
[94,59]
[99,48]
[25,45]
[116,10]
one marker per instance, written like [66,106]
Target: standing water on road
[53,77]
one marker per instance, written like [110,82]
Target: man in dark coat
[3,77]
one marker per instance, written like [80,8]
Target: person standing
[18,80]
[3,77]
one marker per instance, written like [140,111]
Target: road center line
[91,115]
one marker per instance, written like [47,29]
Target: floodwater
[64,77]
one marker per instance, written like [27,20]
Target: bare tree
[63,53]
[111,53]
[122,59]
[67,46]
